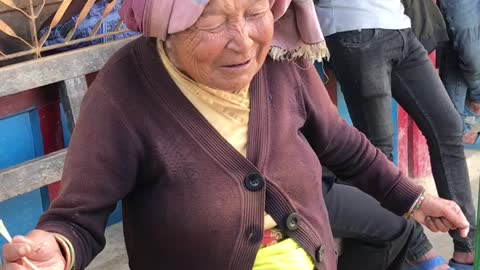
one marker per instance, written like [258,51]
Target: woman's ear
[167,44]
[168,47]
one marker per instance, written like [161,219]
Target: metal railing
[33,43]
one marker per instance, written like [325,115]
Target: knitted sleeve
[100,169]
[348,153]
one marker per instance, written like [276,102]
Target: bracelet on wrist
[418,203]
[67,250]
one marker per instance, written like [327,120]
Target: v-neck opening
[202,131]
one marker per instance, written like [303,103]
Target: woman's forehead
[217,6]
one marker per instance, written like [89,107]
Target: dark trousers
[460,58]
[373,237]
[372,65]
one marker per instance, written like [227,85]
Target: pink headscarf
[297,30]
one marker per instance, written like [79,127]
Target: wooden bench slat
[72,84]
[31,175]
[72,92]
[51,69]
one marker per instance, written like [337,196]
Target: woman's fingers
[44,245]
[448,224]
[443,225]
[430,224]
[434,207]
[15,251]
[38,246]
[440,225]
[455,216]
[15,266]
[464,232]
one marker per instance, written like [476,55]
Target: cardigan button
[293,221]
[254,181]
[254,234]
[320,253]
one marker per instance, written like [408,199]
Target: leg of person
[463,20]
[418,89]
[362,67]
[471,69]
[471,50]
[373,237]
[456,87]
[362,62]
[452,78]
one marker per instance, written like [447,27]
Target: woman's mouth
[239,66]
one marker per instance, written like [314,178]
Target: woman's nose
[240,37]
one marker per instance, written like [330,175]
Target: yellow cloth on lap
[285,255]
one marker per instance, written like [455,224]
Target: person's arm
[349,154]
[100,169]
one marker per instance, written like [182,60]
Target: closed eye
[255,15]
[212,28]
[210,23]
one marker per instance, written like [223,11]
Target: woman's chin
[232,83]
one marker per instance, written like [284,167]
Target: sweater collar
[196,125]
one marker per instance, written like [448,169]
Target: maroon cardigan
[190,200]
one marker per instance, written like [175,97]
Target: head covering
[297,30]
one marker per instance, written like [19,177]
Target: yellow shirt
[229,114]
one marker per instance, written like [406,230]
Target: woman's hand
[39,247]
[442,215]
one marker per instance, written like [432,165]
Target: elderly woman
[208,141]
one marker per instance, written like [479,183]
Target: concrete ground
[114,256]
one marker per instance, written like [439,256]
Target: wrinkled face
[227,45]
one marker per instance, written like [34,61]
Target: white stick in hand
[6,235]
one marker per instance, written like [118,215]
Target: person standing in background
[376,56]
[459,62]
